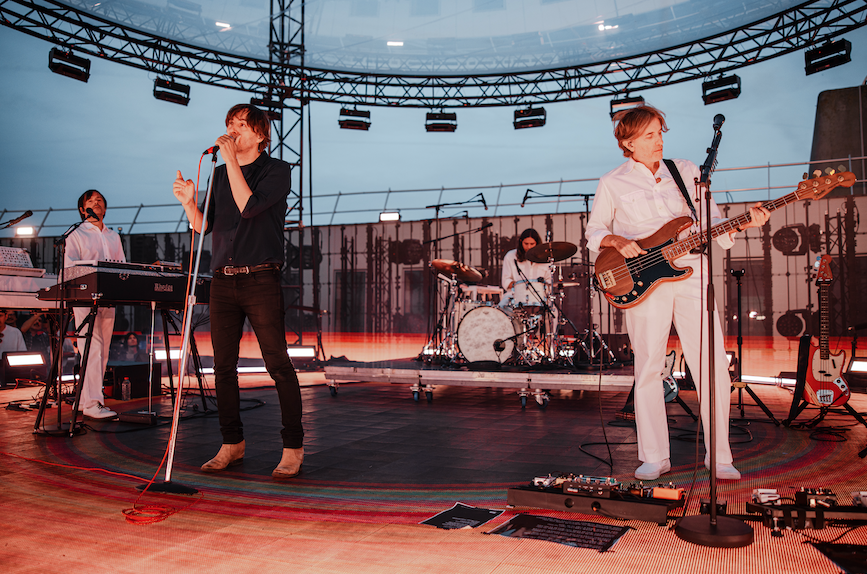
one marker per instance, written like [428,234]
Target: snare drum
[486,334]
[530,294]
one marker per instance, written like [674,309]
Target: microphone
[718,121]
[488,224]
[90,214]
[484,202]
[20,218]
[526,195]
[212,149]
[499,346]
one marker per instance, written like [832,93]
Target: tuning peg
[817,173]
[829,170]
[805,176]
[841,168]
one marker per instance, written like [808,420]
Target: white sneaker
[99,411]
[652,470]
[723,471]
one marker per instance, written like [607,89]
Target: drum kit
[481,323]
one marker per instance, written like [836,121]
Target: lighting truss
[808,25]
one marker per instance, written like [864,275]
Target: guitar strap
[682,187]
[679,181]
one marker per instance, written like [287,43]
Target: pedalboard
[598,495]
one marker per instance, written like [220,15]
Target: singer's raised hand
[184,190]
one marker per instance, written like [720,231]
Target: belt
[228,270]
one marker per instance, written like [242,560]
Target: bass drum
[483,334]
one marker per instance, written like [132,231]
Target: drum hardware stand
[437,347]
[591,338]
[549,350]
[739,384]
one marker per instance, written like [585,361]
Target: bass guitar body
[824,383]
[825,386]
[627,282]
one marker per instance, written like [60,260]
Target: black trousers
[259,298]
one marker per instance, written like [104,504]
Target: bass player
[631,203]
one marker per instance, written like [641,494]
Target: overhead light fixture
[396,43]
[529,118]
[224,26]
[272,108]
[627,102]
[67,64]
[389,216]
[352,119]
[25,231]
[830,55]
[722,89]
[441,122]
[171,91]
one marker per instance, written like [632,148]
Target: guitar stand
[628,411]
[798,402]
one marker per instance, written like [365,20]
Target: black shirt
[256,235]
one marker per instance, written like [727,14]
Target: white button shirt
[88,243]
[629,202]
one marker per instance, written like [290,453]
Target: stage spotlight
[529,118]
[441,122]
[830,55]
[389,216]
[272,108]
[625,103]
[66,64]
[23,365]
[721,89]
[25,231]
[352,119]
[170,91]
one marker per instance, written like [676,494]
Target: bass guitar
[824,384]
[626,282]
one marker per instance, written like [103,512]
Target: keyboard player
[95,242]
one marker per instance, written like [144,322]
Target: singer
[632,202]
[245,218]
[94,241]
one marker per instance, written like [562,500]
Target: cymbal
[463,273]
[558,250]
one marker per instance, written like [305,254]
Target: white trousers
[103,327]
[648,325]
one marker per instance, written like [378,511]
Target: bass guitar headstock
[822,183]
[823,269]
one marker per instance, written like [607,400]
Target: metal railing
[732,185]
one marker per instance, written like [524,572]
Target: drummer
[533,272]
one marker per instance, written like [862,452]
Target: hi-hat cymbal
[463,273]
[556,250]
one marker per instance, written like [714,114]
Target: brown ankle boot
[290,464]
[229,455]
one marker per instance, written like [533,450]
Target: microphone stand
[168,485]
[709,529]
[57,362]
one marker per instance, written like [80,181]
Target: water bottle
[125,389]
